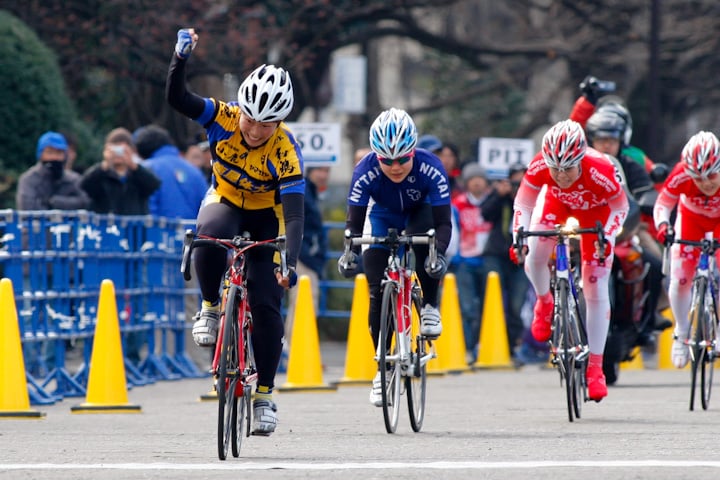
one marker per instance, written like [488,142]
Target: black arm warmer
[293,205]
[443,226]
[177,94]
[355,219]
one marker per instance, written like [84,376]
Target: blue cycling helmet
[393,134]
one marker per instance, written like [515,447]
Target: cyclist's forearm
[443,226]
[176,92]
[294,213]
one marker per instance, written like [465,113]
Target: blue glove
[185,44]
[440,267]
[348,264]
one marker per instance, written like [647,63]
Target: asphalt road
[497,424]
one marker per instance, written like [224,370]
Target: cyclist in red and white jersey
[694,186]
[582,183]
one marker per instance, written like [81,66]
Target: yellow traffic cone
[14,396]
[304,371]
[451,344]
[636,363]
[107,384]
[493,345]
[360,364]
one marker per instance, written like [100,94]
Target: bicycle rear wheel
[415,384]
[388,361]
[228,377]
[697,350]
[565,345]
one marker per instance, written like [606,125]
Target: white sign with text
[320,142]
[496,155]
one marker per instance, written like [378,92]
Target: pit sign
[496,155]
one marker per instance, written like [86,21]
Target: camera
[118,149]
[605,86]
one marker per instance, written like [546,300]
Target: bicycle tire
[227,374]
[565,346]
[389,369]
[697,351]
[416,383]
[576,338]
[708,365]
[240,424]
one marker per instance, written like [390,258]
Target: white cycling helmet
[266,95]
[701,155]
[393,134]
[564,145]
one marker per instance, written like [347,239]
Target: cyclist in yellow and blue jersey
[257,187]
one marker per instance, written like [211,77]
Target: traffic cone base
[451,344]
[210,396]
[304,370]
[360,364]
[636,363]
[107,384]
[494,351]
[14,396]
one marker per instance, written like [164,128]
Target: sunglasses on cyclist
[711,177]
[401,160]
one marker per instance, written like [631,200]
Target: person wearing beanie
[470,270]
[47,185]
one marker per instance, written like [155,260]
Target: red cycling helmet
[564,145]
[701,155]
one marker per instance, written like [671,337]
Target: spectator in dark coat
[119,183]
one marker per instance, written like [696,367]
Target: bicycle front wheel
[388,361]
[565,346]
[415,384]
[708,365]
[697,327]
[228,377]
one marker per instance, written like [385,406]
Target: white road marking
[230,465]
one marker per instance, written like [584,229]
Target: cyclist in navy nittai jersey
[409,190]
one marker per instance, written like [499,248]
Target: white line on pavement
[364,466]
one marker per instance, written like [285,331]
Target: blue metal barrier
[57,260]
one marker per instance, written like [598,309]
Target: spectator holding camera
[119,183]
[497,208]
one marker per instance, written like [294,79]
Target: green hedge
[33,100]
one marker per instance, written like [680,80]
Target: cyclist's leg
[682,271]
[264,297]
[551,211]
[216,219]
[597,303]
[420,221]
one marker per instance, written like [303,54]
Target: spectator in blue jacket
[182,186]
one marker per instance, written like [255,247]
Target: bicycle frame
[233,364]
[701,339]
[404,361]
[401,277]
[568,343]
